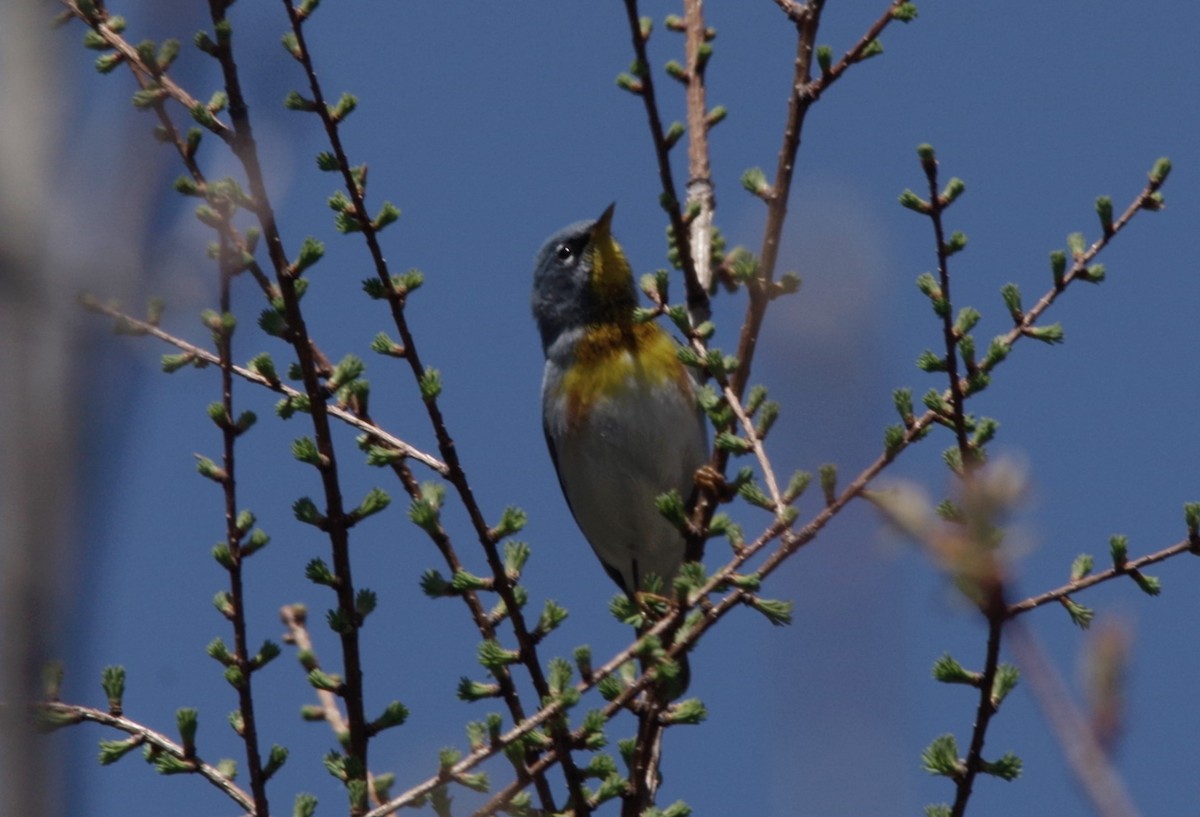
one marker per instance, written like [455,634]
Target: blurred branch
[147,74]
[128,323]
[1097,776]
[295,618]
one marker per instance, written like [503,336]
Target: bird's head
[581,277]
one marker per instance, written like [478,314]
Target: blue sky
[493,126]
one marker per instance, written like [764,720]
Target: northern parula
[618,408]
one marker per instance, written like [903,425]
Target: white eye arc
[564,252]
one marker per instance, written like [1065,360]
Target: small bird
[618,408]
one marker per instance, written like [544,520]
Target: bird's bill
[611,274]
[603,226]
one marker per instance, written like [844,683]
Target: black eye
[564,252]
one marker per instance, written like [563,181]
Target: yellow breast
[611,359]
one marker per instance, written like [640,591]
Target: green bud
[1160,171]
[824,58]
[1006,768]
[1080,615]
[754,180]
[953,189]
[941,757]
[948,671]
[872,49]
[493,656]
[275,760]
[305,510]
[322,680]
[1104,209]
[1046,334]
[113,750]
[342,108]
[1149,585]
[1012,299]
[208,468]
[112,681]
[516,554]
[673,508]
[690,712]
[930,362]
[777,611]
[629,83]
[905,12]
[732,443]
[295,102]
[1191,516]
[915,203]
[1005,681]
[365,601]
[388,214]
[512,520]
[967,319]
[430,384]
[997,352]
[469,690]
[395,714]
[305,450]
[1077,244]
[673,134]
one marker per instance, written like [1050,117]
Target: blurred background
[491,127]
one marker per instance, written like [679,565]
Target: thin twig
[697,295]
[1094,579]
[159,741]
[973,763]
[937,205]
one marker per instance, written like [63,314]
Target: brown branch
[159,741]
[233,538]
[446,446]
[337,526]
[973,763]
[700,184]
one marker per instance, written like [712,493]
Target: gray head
[581,277]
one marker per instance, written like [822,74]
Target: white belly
[631,447]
